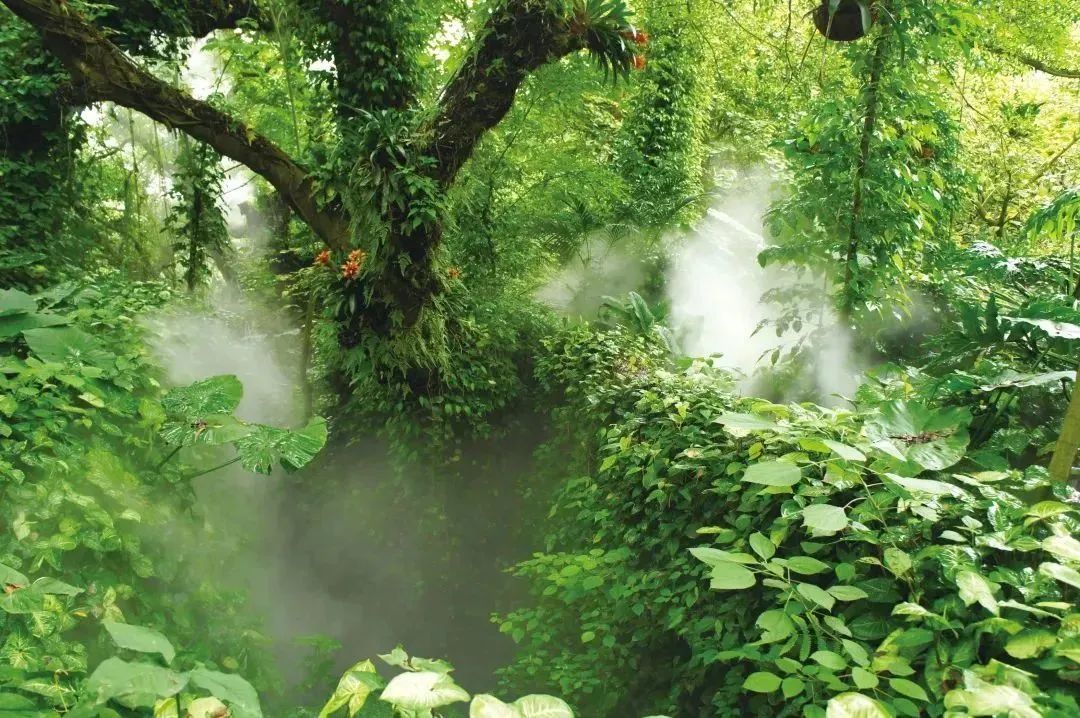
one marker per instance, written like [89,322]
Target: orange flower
[641,37]
[453,273]
[358,256]
[638,62]
[323,258]
[350,269]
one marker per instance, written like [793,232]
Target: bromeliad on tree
[518,37]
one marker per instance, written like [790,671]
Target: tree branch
[1036,64]
[103,72]
[519,37]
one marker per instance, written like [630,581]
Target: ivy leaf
[792,686]
[775,626]
[824,518]
[863,678]
[832,661]
[973,587]
[141,639]
[773,473]
[762,682]
[730,577]
[133,685]
[265,445]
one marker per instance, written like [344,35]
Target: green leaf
[832,661]
[863,678]
[138,638]
[762,682]
[1030,643]
[973,587]
[238,693]
[730,577]
[1062,573]
[195,402]
[775,626]
[213,430]
[16,324]
[823,518]
[984,699]
[850,453]
[12,301]
[855,705]
[897,561]
[353,689]
[11,577]
[422,690]
[816,595]
[761,545]
[746,422]
[293,449]
[908,688]
[847,593]
[773,473]
[542,706]
[133,685]
[1065,547]
[792,686]
[67,345]
[714,556]
[488,706]
[933,439]
[807,565]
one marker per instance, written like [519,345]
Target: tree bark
[1061,463]
[877,65]
[104,72]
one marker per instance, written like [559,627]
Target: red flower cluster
[638,62]
[355,260]
[453,273]
[323,258]
[638,37]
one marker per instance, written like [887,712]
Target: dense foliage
[461,232]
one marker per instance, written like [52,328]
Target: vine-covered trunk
[872,102]
[1068,443]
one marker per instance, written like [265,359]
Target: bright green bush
[849,551]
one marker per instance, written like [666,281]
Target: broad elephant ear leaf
[928,439]
[267,445]
[240,695]
[133,685]
[67,345]
[202,412]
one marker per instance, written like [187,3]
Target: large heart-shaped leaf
[912,433]
[67,345]
[353,689]
[216,395]
[141,639]
[541,706]
[12,301]
[266,445]
[242,698]
[133,685]
[423,690]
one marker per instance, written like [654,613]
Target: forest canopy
[623,359]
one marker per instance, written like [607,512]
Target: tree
[408,166]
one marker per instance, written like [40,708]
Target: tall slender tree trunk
[871,103]
[1061,463]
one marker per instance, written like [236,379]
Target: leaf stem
[230,462]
